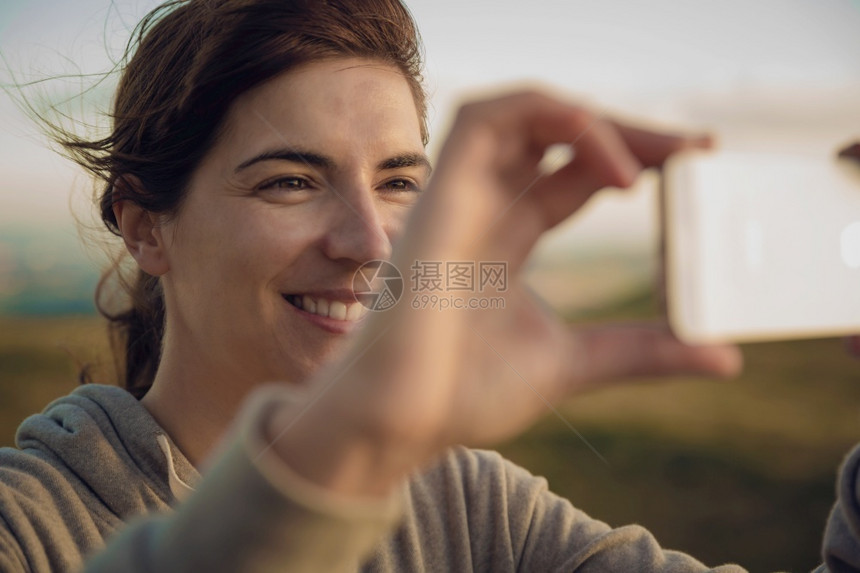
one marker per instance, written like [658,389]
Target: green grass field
[740,471]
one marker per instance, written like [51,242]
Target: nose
[357,230]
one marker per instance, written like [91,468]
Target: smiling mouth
[334,309]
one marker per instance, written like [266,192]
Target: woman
[262,151]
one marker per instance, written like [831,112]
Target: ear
[141,233]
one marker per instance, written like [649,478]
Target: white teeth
[309,304]
[322,307]
[353,311]
[335,309]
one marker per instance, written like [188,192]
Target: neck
[194,408]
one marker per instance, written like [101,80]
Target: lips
[334,309]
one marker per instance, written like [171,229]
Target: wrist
[334,451]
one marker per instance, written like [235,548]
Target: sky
[763,74]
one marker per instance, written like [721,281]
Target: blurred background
[738,471]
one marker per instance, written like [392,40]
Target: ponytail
[136,332]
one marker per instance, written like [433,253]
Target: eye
[401,185]
[292,183]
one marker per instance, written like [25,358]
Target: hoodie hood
[105,441]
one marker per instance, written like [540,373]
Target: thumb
[616,351]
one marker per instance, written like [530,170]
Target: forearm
[343,450]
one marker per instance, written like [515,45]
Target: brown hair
[191,59]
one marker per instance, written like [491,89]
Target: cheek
[396,219]
[264,248]
[241,251]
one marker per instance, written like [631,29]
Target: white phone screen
[761,246]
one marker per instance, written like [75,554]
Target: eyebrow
[290,154]
[405,160]
[323,162]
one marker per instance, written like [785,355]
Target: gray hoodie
[96,460]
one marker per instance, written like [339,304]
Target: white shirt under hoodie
[95,483]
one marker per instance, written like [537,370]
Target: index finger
[653,148]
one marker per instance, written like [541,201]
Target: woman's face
[313,175]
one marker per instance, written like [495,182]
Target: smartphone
[761,246]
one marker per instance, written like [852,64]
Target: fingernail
[736,363]
[705,141]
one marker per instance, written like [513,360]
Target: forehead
[342,103]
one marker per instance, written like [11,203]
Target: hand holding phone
[761,246]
